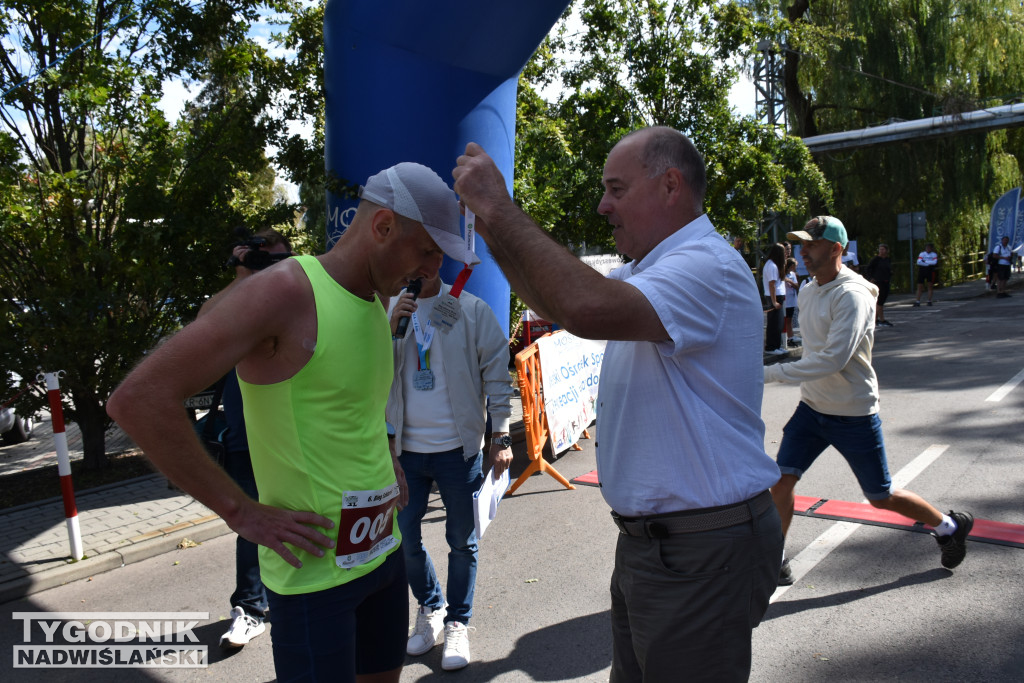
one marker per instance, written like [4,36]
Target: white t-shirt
[792,285]
[771,272]
[1004,253]
[430,425]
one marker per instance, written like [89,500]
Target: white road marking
[819,548]
[1000,393]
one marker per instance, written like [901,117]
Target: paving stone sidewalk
[120,523]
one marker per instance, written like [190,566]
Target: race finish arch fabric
[412,80]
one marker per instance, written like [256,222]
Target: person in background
[879,273]
[927,265]
[445,386]
[792,288]
[1004,256]
[850,260]
[775,297]
[839,394]
[249,599]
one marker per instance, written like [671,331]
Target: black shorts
[1003,271]
[883,292]
[926,274]
[358,628]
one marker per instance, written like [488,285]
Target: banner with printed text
[1018,234]
[570,370]
[1004,219]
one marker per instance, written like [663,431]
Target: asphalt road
[877,607]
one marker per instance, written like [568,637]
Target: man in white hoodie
[839,393]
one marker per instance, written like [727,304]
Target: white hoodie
[837,326]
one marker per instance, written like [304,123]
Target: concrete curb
[165,541]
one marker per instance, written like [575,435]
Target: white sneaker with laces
[429,624]
[778,352]
[456,646]
[243,629]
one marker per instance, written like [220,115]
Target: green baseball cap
[821,228]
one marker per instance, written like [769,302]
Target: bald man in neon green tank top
[311,342]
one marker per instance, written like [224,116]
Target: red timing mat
[588,479]
[984,530]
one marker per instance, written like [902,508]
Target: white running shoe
[429,624]
[243,629]
[456,646]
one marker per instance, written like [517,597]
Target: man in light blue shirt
[680,439]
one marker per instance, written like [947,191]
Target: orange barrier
[531,390]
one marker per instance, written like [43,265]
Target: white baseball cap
[416,192]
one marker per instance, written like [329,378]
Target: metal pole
[63,462]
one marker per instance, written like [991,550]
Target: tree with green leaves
[851,64]
[117,221]
[637,63]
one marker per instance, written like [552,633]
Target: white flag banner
[570,370]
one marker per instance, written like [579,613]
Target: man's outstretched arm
[542,272]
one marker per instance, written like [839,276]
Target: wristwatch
[505,441]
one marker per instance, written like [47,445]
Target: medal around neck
[446,313]
[423,380]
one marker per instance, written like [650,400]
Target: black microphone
[403,325]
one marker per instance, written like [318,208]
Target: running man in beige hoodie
[839,393]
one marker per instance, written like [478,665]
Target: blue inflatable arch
[408,80]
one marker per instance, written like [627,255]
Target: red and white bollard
[60,439]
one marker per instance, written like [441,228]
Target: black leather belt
[692,521]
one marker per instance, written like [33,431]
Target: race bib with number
[365,530]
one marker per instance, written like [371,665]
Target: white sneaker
[778,352]
[243,629]
[456,646]
[429,624]
[796,340]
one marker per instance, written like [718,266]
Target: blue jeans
[457,479]
[249,593]
[858,439]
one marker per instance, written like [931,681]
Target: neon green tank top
[319,442]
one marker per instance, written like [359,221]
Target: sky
[176,94]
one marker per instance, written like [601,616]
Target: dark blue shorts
[858,439]
[357,628]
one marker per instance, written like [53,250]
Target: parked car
[14,428]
